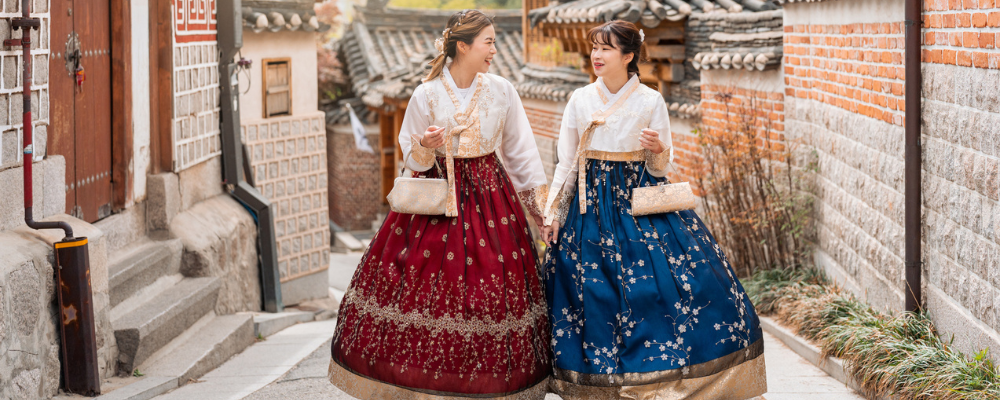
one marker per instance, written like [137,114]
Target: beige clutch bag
[423,196]
[662,199]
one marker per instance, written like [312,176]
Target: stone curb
[833,366]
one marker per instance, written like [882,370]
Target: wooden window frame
[264,64]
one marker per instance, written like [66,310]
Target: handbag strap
[669,164]
[407,157]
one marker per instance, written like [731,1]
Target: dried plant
[900,356]
[753,190]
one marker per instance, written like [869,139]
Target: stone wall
[11,102]
[355,179]
[845,98]
[288,155]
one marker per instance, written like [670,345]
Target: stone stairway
[164,322]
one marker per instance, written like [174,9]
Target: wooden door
[80,118]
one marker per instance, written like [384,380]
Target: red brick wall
[717,113]
[355,186]
[956,33]
[857,67]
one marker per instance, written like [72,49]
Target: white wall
[300,47]
[140,99]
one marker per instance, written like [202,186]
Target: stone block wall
[196,104]
[844,68]
[961,163]
[11,99]
[288,155]
[355,179]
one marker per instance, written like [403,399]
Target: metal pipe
[25,23]
[913,295]
[78,341]
[230,28]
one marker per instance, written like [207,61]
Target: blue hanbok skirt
[646,307]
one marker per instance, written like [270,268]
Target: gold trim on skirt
[365,388]
[739,375]
[639,155]
[744,381]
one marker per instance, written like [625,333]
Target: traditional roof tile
[277,15]
[647,12]
[387,51]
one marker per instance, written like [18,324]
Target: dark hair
[625,34]
[463,26]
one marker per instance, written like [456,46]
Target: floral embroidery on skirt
[646,306]
[448,307]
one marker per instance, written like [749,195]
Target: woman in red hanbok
[453,306]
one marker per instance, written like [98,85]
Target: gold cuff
[560,206]
[534,199]
[658,162]
[422,155]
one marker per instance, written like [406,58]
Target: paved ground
[789,377]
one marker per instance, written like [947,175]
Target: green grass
[899,355]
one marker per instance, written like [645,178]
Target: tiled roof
[277,15]
[387,52]
[648,12]
[753,41]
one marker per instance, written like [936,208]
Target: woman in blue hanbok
[642,307]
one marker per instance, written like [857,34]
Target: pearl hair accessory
[642,36]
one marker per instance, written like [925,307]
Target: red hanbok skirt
[448,307]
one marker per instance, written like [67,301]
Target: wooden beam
[674,53]
[161,82]
[671,72]
[121,103]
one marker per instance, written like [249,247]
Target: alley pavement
[293,364]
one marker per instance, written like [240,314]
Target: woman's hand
[433,137]
[550,233]
[650,140]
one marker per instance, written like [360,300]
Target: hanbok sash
[459,123]
[597,119]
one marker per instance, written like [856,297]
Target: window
[277,87]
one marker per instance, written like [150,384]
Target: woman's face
[608,60]
[479,54]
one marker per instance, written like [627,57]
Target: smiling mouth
[598,65]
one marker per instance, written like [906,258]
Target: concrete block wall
[196,104]
[355,179]
[288,155]
[11,102]
[845,98]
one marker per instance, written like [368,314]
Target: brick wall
[355,179]
[845,98]
[289,160]
[854,66]
[961,32]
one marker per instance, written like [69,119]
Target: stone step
[346,241]
[267,324]
[150,326]
[141,264]
[200,349]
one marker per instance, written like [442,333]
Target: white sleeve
[657,164]
[415,123]
[520,155]
[569,140]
